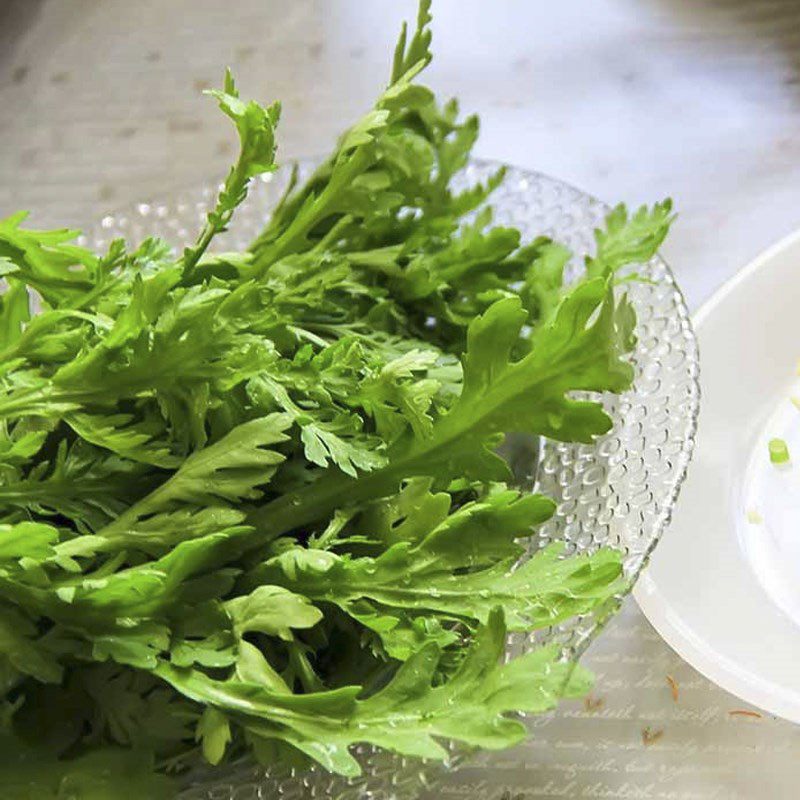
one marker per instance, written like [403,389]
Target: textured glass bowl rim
[207,191]
[693,417]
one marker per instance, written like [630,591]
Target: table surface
[101,105]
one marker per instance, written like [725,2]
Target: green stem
[295,234]
[235,185]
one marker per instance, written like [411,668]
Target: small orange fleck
[673,687]
[593,703]
[649,736]
[743,712]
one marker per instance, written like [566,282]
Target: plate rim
[653,601]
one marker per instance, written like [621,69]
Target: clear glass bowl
[619,491]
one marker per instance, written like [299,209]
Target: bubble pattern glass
[618,491]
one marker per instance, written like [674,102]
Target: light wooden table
[101,105]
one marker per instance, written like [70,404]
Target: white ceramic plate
[723,587]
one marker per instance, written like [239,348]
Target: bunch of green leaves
[253,502]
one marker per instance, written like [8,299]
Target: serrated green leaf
[272,610]
[630,239]
[114,432]
[27,540]
[409,715]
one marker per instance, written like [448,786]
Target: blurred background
[101,100]
[101,106]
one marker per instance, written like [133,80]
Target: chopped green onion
[778,451]
[753,517]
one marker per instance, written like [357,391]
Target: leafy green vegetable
[457,568]
[253,501]
[410,713]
